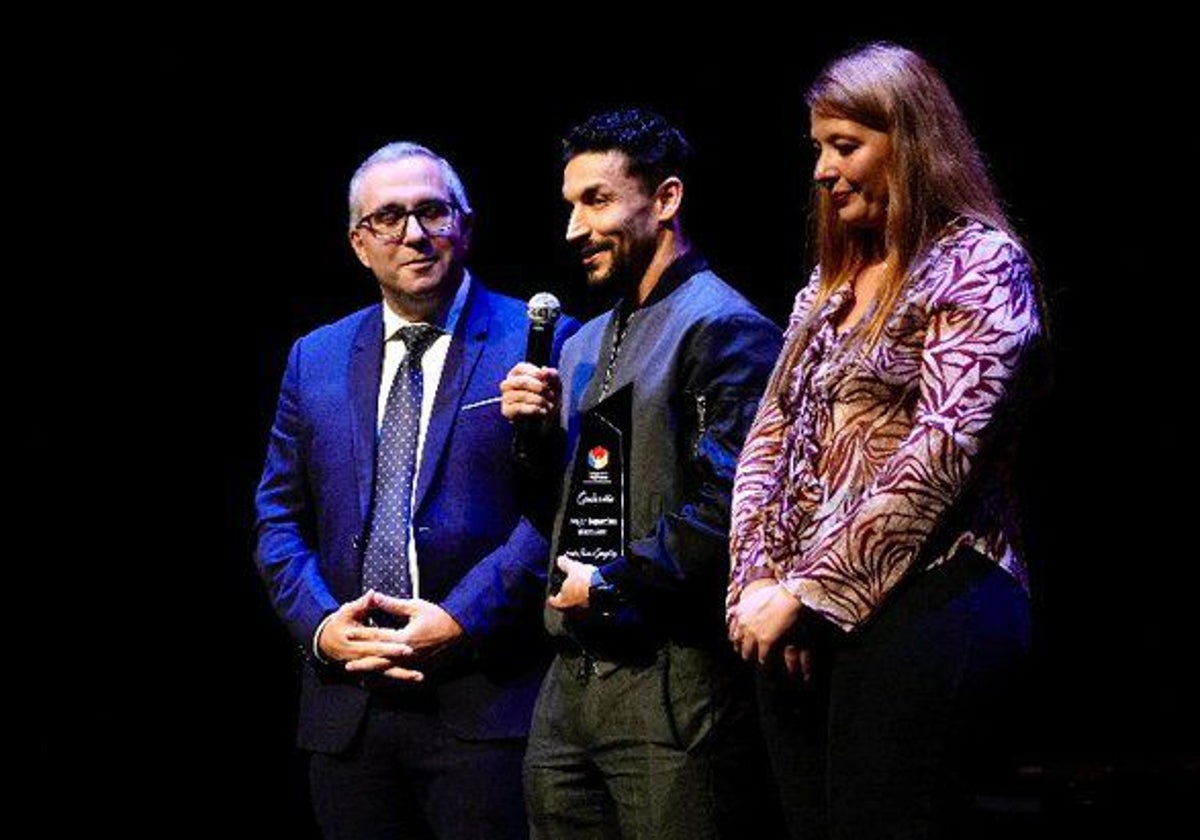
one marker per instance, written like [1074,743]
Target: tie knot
[418,337]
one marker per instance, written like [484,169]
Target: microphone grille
[543,308]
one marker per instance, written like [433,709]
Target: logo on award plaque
[598,458]
[595,519]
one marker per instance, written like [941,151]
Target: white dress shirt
[432,363]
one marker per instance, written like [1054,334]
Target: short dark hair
[655,148]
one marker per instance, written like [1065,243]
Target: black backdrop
[232,195]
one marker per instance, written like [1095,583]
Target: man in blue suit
[391,534]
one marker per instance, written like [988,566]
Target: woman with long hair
[877,576]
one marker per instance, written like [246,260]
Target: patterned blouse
[887,457]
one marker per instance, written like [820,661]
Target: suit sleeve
[729,362]
[503,592]
[286,552]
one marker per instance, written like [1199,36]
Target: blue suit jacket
[479,557]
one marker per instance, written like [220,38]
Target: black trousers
[407,776]
[905,717]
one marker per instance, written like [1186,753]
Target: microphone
[543,310]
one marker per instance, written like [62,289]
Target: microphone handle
[539,343]
[537,352]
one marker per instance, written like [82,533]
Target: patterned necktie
[385,563]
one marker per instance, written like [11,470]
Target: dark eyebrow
[837,135]
[398,207]
[588,193]
[391,205]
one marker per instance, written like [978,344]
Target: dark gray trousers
[639,752]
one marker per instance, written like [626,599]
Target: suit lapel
[366,368]
[465,347]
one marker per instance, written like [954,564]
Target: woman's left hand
[760,619]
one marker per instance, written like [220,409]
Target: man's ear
[360,250]
[466,223]
[668,199]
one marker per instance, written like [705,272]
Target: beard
[625,267]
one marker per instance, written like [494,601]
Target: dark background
[228,180]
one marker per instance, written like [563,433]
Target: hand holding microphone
[531,393]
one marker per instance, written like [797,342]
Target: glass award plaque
[595,519]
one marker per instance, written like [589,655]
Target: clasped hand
[395,653]
[760,620]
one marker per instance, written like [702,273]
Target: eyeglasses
[435,217]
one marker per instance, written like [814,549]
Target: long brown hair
[935,172]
